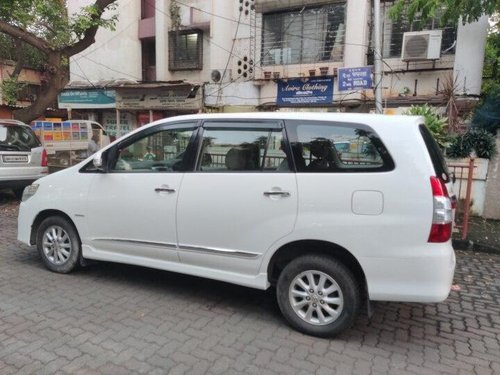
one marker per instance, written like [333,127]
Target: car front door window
[163,151]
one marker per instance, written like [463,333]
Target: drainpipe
[378,57]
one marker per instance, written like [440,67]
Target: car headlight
[29,191]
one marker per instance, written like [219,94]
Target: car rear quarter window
[337,147]
[440,167]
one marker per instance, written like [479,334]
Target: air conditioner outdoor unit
[218,76]
[421,45]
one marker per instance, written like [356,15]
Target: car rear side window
[440,167]
[236,149]
[336,147]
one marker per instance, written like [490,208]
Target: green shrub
[480,141]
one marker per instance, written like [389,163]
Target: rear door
[241,198]
[20,153]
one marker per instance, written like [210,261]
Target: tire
[333,304]
[59,245]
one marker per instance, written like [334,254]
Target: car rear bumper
[423,278]
[10,178]
[16,183]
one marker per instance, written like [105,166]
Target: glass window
[393,31]
[304,36]
[435,153]
[17,138]
[242,150]
[185,50]
[164,151]
[337,148]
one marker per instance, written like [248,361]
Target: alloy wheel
[316,297]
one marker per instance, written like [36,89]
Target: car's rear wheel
[318,295]
[58,244]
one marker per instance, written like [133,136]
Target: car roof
[10,122]
[363,118]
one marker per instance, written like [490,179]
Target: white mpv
[334,210]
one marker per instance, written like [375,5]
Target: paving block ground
[118,319]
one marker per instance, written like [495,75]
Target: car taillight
[44,158]
[442,215]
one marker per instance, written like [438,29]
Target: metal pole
[465,227]
[377,57]
[118,125]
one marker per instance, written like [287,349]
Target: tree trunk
[49,91]
[20,60]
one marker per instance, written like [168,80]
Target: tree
[46,27]
[446,10]
[487,114]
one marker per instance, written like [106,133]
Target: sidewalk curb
[470,245]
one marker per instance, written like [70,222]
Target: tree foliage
[434,122]
[478,141]
[45,26]
[445,10]
[487,114]
[11,50]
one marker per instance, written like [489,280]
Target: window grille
[185,50]
[303,36]
[393,31]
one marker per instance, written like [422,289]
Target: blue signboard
[87,99]
[355,78]
[305,91]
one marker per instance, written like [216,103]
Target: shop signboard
[163,98]
[306,91]
[109,123]
[87,99]
[355,78]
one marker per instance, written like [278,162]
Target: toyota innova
[262,200]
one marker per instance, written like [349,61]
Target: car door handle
[274,193]
[164,190]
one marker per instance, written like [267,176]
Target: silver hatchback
[22,157]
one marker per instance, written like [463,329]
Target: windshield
[15,137]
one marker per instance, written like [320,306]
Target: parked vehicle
[262,200]
[67,142]
[22,157]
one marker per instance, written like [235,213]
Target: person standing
[92,146]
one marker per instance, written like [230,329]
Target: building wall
[230,35]
[115,54]
[26,76]
[402,81]
[469,58]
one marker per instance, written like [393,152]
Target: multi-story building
[30,82]
[169,57]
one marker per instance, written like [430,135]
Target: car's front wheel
[318,295]
[58,244]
